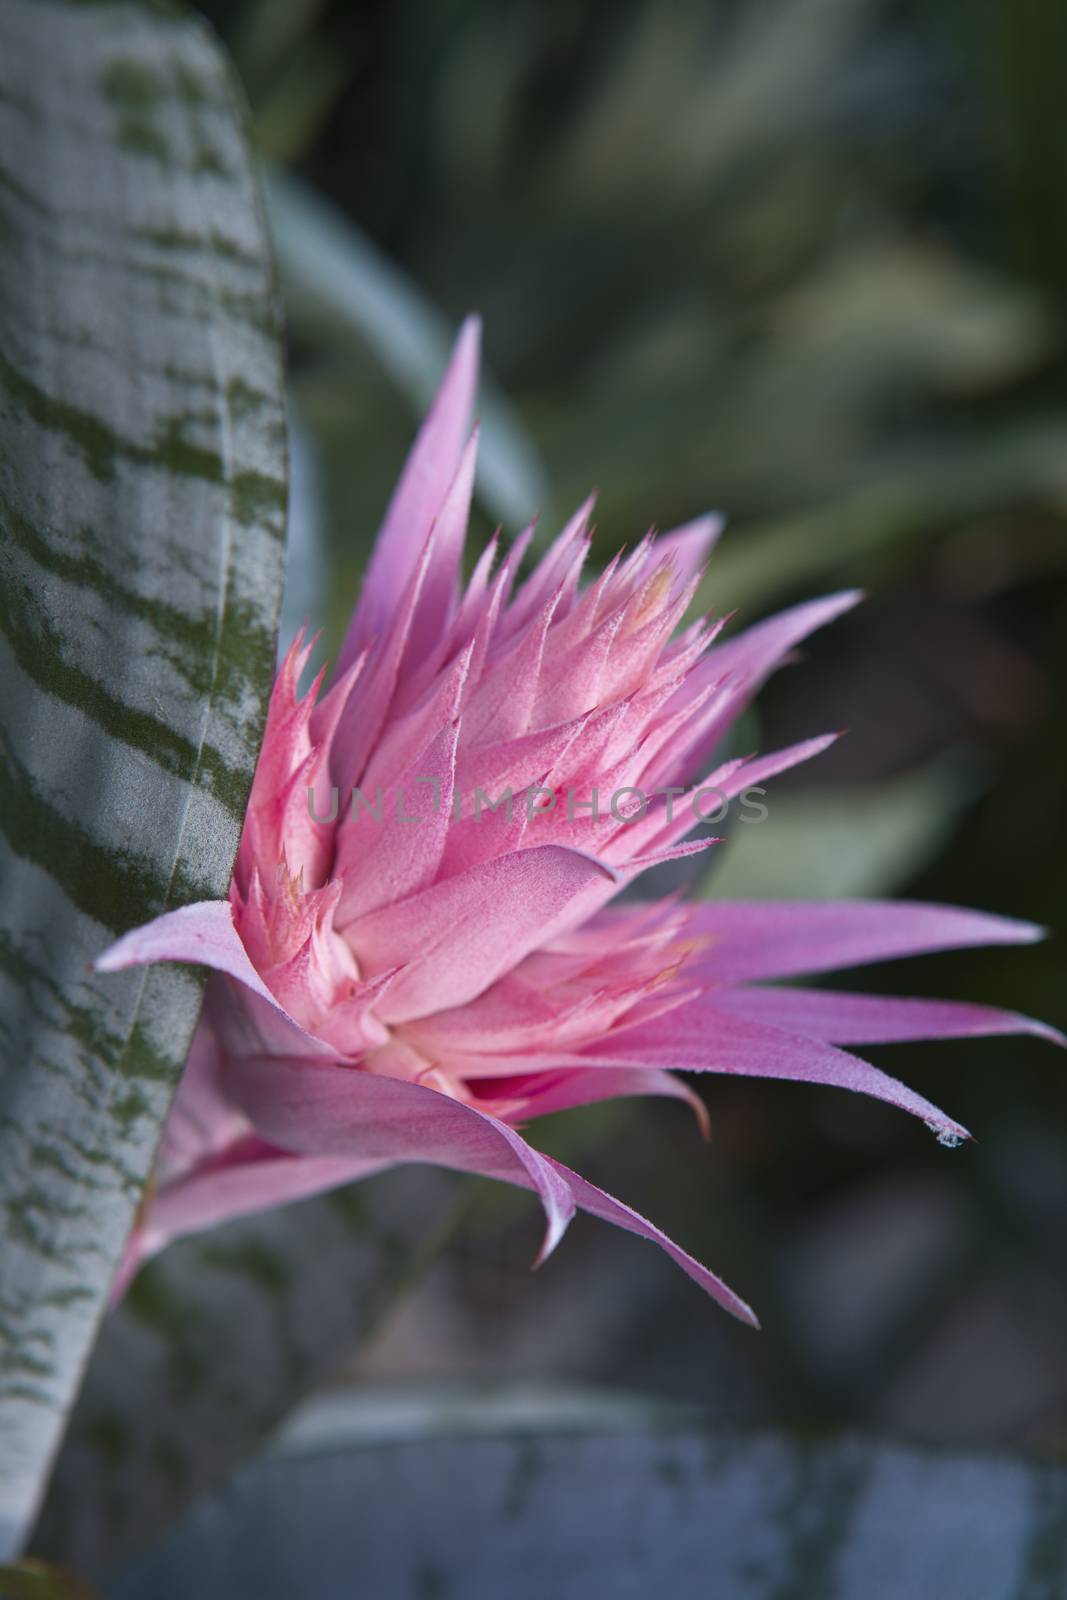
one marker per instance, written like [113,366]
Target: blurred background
[802,261]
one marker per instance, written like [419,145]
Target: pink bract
[411,980]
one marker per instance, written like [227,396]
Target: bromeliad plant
[417,976]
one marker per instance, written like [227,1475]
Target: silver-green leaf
[142,497]
[217,1340]
[496,1498]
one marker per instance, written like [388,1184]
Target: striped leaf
[218,1339]
[142,493]
[545,1494]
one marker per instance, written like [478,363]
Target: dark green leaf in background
[582,1497]
[841,843]
[338,280]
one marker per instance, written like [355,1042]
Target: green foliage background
[803,261]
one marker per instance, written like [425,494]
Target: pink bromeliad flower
[412,979]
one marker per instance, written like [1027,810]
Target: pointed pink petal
[440,590]
[615,857]
[474,596]
[630,866]
[563,554]
[254,1177]
[513,560]
[787,938]
[515,764]
[729,780]
[349,1113]
[352,1026]
[758,769]
[690,545]
[305,844]
[747,660]
[383,861]
[575,678]
[760,648]
[327,712]
[453,939]
[424,482]
[363,717]
[502,705]
[204,934]
[286,740]
[408,734]
[872,1019]
[698,1038]
[603,1205]
[202,1120]
[505,1017]
[484,837]
[251,1177]
[542,1093]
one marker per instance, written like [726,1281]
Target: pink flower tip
[416,967]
